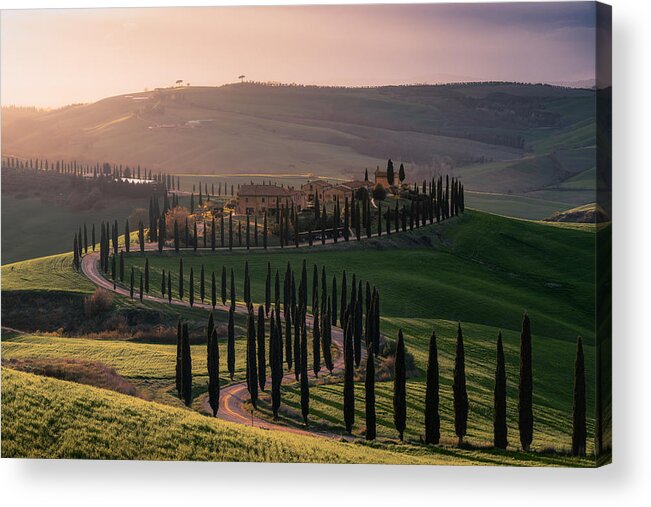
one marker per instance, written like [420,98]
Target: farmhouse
[312,188]
[255,199]
[343,190]
[381,178]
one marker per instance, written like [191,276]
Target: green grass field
[51,228]
[482,270]
[49,418]
[149,366]
[53,273]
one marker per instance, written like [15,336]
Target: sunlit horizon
[54,58]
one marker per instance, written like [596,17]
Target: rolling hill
[296,129]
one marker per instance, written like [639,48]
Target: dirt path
[233,396]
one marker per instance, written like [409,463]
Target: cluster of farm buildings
[255,199]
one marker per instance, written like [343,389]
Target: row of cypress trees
[295,354]
[95,171]
[432,421]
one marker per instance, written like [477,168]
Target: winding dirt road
[233,396]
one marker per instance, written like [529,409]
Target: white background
[626,482]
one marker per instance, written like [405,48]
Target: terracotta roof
[351,185]
[318,183]
[264,191]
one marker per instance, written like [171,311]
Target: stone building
[256,199]
[312,188]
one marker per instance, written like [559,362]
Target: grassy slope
[483,270]
[52,273]
[294,129]
[514,205]
[486,279]
[150,366]
[50,227]
[49,418]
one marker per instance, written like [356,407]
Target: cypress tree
[176,236]
[357,331]
[305,387]
[288,337]
[298,318]
[276,361]
[162,284]
[186,360]
[141,236]
[93,237]
[121,266]
[262,360]
[115,237]
[131,284]
[346,220]
[223,285]
[127,236]
[195,239]
[459,388]
[277,288]
[169,286]
[390,174]
[370,396]
[248,232]
[140,288]
[324,292]
[202,284]
[323,222]
[400,387]
[213,372]
[279,332]
[579,431]
[379,218]
[267,290]
[349,381]
[181,279]
[179,361]
[432,418]
[230,231]
[334,300]
[500,431]
[230,346]
[525,399]
[161,233]
[316,345]
[344,304]
[113,273]
[221,230]
[232,289]
[191,286]
[239,234]
[251,367]
[376,324]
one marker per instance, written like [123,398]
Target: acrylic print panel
[335,234]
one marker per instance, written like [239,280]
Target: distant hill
[589,213]
[330,131]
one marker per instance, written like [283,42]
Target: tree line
[358,317]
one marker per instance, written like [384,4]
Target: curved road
[233,396]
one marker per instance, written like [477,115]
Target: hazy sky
[57,57]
